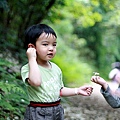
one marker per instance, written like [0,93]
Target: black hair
[33,32]
[116,65]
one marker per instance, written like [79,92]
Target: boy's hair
[33,33]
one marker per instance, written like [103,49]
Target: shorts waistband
[40,104]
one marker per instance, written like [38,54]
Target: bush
[12,96]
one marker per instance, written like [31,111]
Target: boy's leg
[44,113]
[30,114]
[58,113]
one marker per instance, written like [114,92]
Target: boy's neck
[45,64]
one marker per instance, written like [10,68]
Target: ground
[93,107]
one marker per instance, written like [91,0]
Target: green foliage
[88,40]
[12,96]
[75,71]
[3,4]
[16,16]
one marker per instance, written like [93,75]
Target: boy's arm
[84,90]
[34,77]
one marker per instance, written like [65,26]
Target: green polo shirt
[49,90]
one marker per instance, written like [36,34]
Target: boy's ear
[30,45]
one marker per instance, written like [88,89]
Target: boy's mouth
[50,54]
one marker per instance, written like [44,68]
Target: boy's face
[46,47]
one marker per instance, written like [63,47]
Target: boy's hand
[31,53]
[85,90]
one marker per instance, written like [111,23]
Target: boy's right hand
[31,53]
[99,80]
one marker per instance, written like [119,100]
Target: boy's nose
[50,47]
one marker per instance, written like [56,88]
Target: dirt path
[90,108]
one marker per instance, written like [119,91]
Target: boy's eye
[45,44]
[54,44]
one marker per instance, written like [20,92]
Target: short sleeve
[62,84]
[24,73]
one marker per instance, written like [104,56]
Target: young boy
[111,96]
[43,78]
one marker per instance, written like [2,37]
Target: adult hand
[99,80]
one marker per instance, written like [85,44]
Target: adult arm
[112,99]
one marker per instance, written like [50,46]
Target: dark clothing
[44,113]
[113,100]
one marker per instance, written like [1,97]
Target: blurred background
[88,41]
